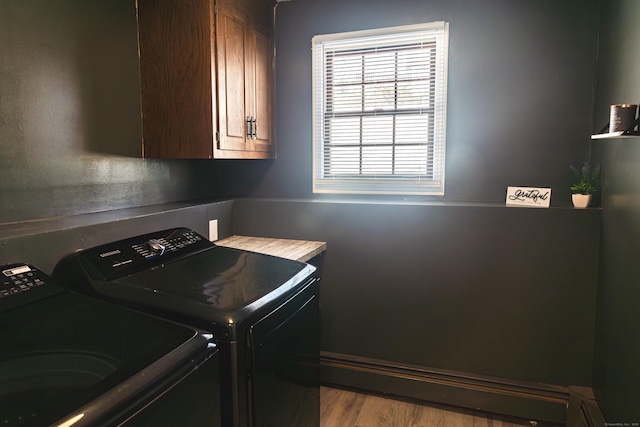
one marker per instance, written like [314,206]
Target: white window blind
[379,103]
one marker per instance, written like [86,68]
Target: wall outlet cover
[213,230]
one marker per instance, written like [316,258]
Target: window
[379,102]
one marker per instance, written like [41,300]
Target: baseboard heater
[530,401]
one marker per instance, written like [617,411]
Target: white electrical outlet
[213,230]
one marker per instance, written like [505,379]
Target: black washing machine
[263,312]
[68,360]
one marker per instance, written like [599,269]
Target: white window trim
[373,185]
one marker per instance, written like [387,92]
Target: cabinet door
[232,97]
[262,85]
[245,79]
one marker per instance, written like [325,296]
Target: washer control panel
[22,283]
[20,278]
[124,257]
[181,240]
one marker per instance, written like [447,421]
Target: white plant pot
[581,200]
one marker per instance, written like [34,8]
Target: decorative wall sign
[529,196]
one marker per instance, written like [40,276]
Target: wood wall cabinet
[206,71]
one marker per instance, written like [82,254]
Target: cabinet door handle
[254,134]
[249,128]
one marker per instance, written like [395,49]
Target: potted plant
[586,185]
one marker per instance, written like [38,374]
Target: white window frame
[431,183]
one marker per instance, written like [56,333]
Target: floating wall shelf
[609,135]
[628,133]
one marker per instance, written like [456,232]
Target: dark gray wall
[70,137]
[477,288]
[521,81]
[505,292]
[617,371]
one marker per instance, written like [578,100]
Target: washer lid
[220,286]
[180,275]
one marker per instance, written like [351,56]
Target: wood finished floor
[342,408]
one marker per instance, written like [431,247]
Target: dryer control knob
[156,247]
